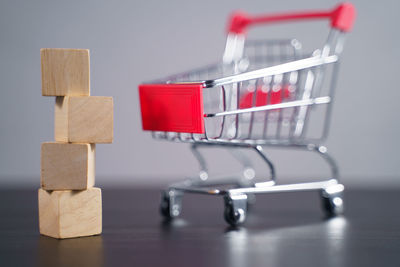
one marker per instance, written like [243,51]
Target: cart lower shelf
[238,196]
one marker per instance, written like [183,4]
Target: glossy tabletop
[281,230]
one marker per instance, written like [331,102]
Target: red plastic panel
[172,107]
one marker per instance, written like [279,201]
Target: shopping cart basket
[263,93]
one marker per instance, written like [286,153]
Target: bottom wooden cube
[66,214]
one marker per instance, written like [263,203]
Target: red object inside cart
[172,107]
[262,98]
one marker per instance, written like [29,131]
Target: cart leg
[272,181]
[203,174]
[323,152]
[248,174]
[171,203]
[248,170]
[235,208]
[332,197]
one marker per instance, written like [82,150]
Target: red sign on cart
[172,107]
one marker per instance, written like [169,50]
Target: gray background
[134,41]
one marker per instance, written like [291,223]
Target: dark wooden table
[281,230]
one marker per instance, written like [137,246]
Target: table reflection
[281,246]
[83,251]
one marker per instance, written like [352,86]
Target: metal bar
[224,109]
[332,94]
[302,112]
[282,93]
[198,190]
[259,189]
[274,70]
[286,187]
[260,152]
[323,152]
[202,162]
[266,114]
[253,104]
[305,102]
[238,88]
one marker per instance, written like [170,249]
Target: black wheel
[165,206]
[332,204]
[234,217]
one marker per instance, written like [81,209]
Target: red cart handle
[342,18]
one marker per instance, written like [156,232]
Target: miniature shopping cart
[262,94]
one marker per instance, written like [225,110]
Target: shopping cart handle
[342,18]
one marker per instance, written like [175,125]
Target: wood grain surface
[84,119]
[66,214]
[66,166]
[65,72]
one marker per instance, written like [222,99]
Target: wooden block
[67,166]
[65,72]
[84,119]
[66,214]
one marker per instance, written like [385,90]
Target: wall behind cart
[135,41]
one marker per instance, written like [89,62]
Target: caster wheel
[171,204]
[165,205]
[234,218]
[235,210]
[332,203]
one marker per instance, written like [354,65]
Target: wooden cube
[65,72]
[87,119]
[66,214]
[67,166]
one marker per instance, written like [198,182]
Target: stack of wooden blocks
[69,204]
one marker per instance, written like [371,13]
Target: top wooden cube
[65,72]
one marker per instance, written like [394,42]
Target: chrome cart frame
[257,104]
